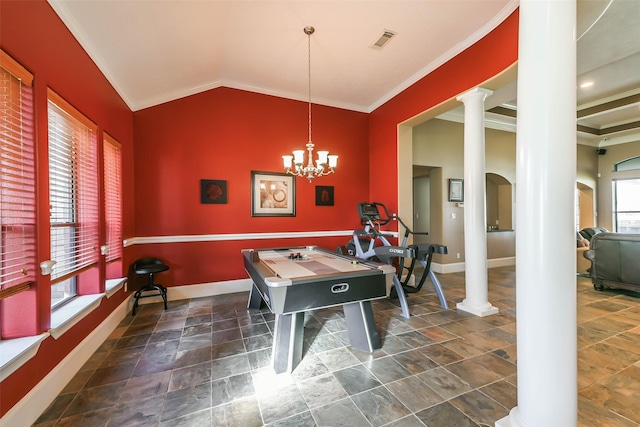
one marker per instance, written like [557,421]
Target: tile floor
[205,362]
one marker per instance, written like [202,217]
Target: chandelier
[326,162]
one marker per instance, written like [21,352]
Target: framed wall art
[273,194]
[213,191]
[456,190]
[324,195]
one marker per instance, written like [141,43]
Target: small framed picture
[273,194]
[456,190]
[213,191]
[324,195]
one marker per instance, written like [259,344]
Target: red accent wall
[224,134]
[491,55]
[32,33]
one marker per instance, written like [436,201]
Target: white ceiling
[156,51]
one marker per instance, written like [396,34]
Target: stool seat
[149,267]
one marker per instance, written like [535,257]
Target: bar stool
[149,266]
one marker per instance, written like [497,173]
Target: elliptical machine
[364,245]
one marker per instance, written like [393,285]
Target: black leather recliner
[614,261]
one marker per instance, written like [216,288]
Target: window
[73,193]
[627,165]
[626,204]
[17,179]
[112,200]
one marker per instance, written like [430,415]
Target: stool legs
[162,292]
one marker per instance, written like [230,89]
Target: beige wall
[440,144]
[606,162]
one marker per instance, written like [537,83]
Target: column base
[511,420]
[482,311]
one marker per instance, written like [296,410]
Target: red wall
[488,57]
[224,134]
[33,35]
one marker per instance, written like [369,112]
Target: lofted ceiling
[156,51]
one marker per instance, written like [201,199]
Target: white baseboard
[176,293]
[448,268]
[459,266]
[34,403]
[502,262]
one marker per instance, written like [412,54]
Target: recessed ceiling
[608,55]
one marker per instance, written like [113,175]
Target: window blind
[73,190]
[17,179]
[113,198]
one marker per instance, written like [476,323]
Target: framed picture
[213,191]
[273,194]
[324,195]
[456,190]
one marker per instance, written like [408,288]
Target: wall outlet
[453,216]
[458,255]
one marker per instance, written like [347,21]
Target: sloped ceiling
[157,51]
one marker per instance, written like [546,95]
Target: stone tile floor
[206,362]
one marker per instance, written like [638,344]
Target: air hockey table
[293,280]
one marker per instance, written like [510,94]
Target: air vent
[383,39]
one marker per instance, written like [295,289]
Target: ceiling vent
[383,39]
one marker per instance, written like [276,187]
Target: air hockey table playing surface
[297,279]
[309,277]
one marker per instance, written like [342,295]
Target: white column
[545,218]
[475,215]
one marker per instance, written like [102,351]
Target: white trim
[501,262]
[459,266]
[17,351]
[65,317]
[34,403]
[113,285]
[491,120]
[176,293]
[437,268]
[455,267]
[241,236]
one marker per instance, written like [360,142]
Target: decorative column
[545,217]
[475,216]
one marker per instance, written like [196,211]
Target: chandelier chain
[309,85]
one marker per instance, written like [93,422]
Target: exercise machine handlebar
[370,215]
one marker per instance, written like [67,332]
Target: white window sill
[15,353]
[113,285]
[71,313]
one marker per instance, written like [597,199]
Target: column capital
[476,92]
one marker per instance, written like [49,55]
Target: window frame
[615,210]
[18,265]
[113,249]
[74,196]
